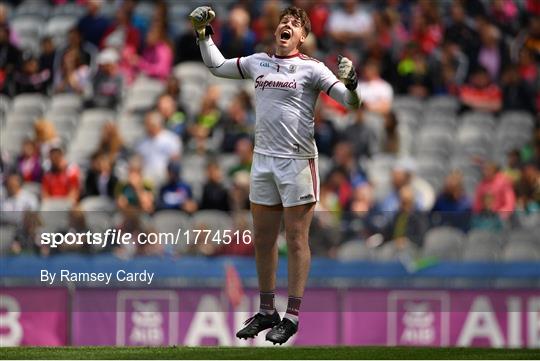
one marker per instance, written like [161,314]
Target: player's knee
[297,243]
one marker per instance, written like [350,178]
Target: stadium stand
[447,124]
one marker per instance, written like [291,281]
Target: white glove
[346,73]
[200,18]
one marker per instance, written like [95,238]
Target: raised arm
[343,90]
[212,57]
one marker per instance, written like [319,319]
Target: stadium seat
[32,8]
[440,120]
[65,103]
[443,104]
[521,250]
[97,116]
[390,251]
[408,103]
[516,120]
[58,26]
[27,26]
[483,121]
[433,171]
[172,221]
[213,220]
[32,188]
[482,245]
[192,72]
[70,9]
[473,141]
[434,143]
[140,102]
[55,213]
[144,84]
[145,9]
[10,141]
[34,104]
[443,243]
[355,250]
[7,235]
[97,204]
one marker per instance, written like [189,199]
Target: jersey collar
[288,56]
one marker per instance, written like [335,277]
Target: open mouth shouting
[286,34]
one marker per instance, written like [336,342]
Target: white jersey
[286,90]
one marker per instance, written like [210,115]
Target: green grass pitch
[239,353]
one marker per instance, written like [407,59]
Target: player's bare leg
[297,223]
[266,224]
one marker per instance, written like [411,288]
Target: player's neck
[284,53]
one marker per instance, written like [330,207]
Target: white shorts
[290,182]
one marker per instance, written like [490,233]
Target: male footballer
[284,174]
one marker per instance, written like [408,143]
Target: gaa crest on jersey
[292,68]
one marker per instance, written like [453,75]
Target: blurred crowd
[486,54]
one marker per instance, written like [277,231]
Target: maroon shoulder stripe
[239,69]
[313,171]
[331,86]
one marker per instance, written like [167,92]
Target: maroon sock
[267,303]
[293,308]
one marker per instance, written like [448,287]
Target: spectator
[47,57]
[62,180]
[326,135]
[426,29]
[93,25]
[29,162]
[264,26]
[122,35]
[111,144]
[336,192]
[362,136]
[76,225]
[157,56]
[9,61]
[452,206]
[513,166]
[135,194]
[344,158]
[237,39]
[173,114]
[486,217]
[494,192]
[186,46]
[238,246]
[158,148]
[505,15]
[528,196]
[240,191]
[176,194]
[17,201]
[528,187]
[446,62]
[360,219]
[350,23]
[530,37]
[492,54]
[208,117]
[107,84]
[45,137]
[238,121]
[244,151]
[30,78]
[27,235]
[375,92]
[132,224]
[73,76]
[480,93]
[407,224]
[100,179]
[215,195]
[390,142]
[516,94]
[403,174]
[459,31]
[528,68]
[85,50]
[413,72]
